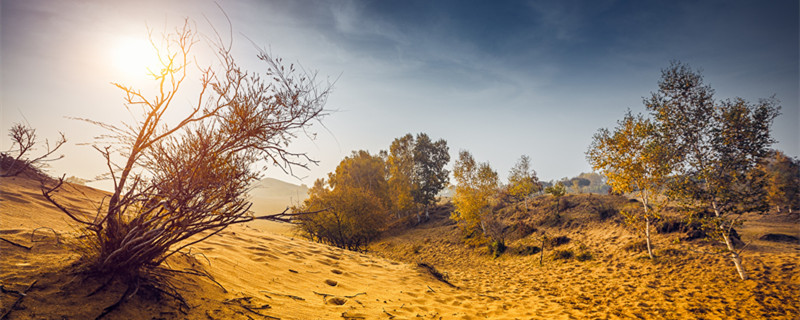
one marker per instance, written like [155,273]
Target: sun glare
[134,57]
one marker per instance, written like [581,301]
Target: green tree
[522,180]
[579,183]
[430,176]
[416,173]
[634,159]
[782,176]
[558,190]
[717,146]
[476,183]
[400,168]
[350,209]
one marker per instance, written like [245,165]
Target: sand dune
[258,274]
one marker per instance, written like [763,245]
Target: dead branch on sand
[16,244]
[21,295]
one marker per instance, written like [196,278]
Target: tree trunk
[541,256]
[647,235]
[737,260]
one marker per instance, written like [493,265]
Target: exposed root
[21,295]
[16,244]
[129,292]
[58,240]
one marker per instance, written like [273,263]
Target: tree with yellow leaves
[634,161]
[476,183]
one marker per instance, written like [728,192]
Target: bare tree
[23,140]
[178,180]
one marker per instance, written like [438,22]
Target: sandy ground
[259,274]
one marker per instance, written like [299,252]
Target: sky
[497,78]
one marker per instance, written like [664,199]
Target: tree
[351,207]
[178,179]
[522,180]
[634,159]
[430,176]
[782,176]
[476,183]
[579,183]
[400,167]
[416,172]
[558,190]
[716,147]
[24,139]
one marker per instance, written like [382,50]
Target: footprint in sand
[331,283]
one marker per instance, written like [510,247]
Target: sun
[134,57]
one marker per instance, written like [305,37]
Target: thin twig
[21,295]
[355,295]
[284,295]
[58,240]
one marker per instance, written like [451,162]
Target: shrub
[496,248]
[559,240]
[605,211]
[670,225]
[525,250]
[563,254]
[584,256]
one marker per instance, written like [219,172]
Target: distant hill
[271,195]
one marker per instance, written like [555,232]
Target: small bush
[496,248]
[559,240]
[671,225]
[520,230]
[777,237]
[584,256]
[525,250]
[605,211]
[563,254]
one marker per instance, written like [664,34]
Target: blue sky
[499,79]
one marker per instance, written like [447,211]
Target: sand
[259,274]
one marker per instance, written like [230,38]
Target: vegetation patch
[778,237]
[559,240]
[524,250]
[563,254]
[584,256]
